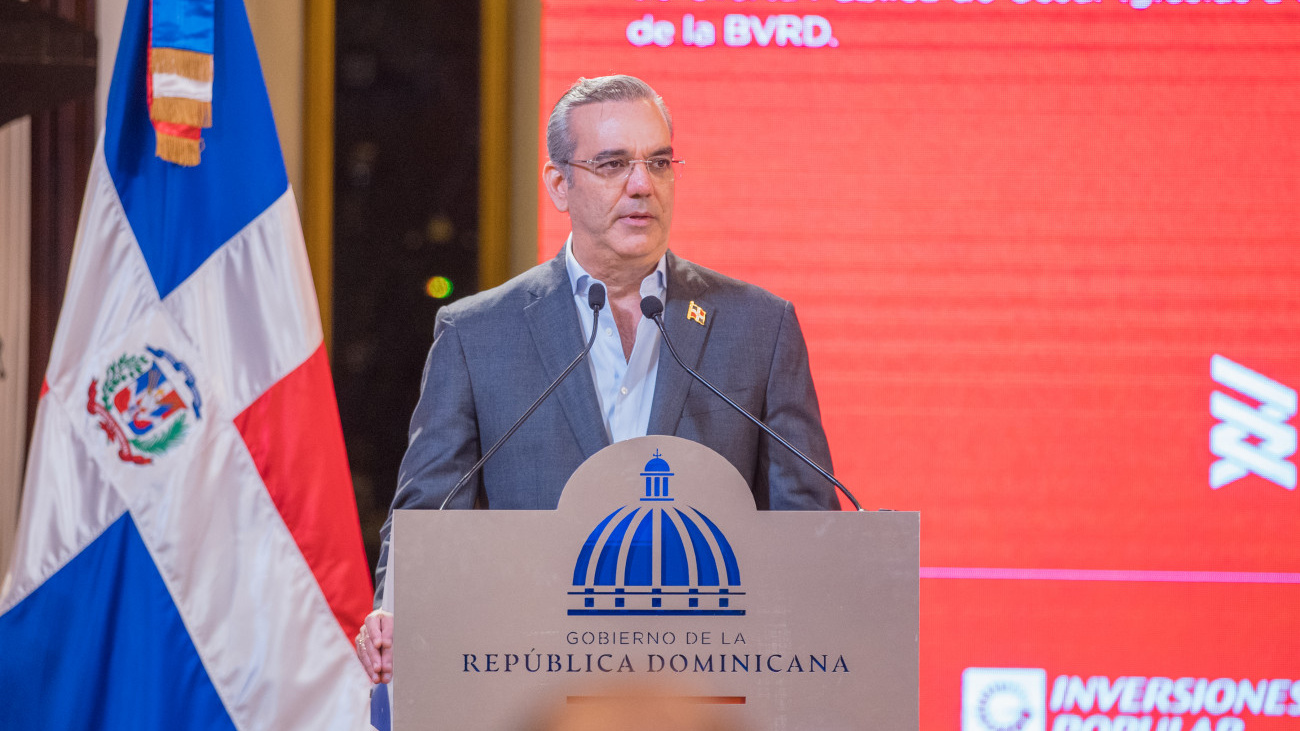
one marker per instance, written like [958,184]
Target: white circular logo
[1004,707]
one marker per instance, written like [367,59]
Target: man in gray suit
[612,170]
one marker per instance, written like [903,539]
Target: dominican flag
[189,554]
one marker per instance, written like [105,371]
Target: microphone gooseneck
[653,308]
[596,301]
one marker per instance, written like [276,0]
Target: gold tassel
[178,150]
[190,64]
[181,111]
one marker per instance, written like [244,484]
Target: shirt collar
[655,283]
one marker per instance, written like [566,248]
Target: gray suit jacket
[495,352]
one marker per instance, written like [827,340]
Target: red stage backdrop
[1047,258]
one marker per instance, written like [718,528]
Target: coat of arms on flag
[142,402]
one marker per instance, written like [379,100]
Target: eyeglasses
[617,169]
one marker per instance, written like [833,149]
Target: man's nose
[638,179]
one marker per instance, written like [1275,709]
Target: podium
[656,570]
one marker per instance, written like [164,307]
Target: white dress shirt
[625,388]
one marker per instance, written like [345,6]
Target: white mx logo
[1249,438]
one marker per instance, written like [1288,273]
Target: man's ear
[556,186]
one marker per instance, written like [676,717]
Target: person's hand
[375,646]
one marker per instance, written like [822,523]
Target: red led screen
[1028,243]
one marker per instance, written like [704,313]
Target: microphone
[596,301]
[652,308]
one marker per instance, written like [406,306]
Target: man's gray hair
[560,144]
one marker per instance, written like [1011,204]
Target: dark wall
[406,208]
[63,143]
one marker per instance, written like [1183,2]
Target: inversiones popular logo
[1251,438]
[143,403]
[656,557]
[1004,699]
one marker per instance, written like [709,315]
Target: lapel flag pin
[695,312]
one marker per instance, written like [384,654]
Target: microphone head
[596,296]
[651,307]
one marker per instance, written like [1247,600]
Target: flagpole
[318,163]
[494,143]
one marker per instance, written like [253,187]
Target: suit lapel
[671,382]
[557,334]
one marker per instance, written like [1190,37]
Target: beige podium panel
[656,574]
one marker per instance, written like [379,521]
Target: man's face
[621,222]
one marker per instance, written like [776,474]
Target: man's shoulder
[508,299]
[722,288]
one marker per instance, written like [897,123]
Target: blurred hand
[375,646]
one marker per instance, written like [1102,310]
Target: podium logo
[657,556]
[1251,439]
[1004,699]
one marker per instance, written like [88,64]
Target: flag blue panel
[381,715]
[100,645]
[181,215]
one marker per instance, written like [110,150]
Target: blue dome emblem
[656,559]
